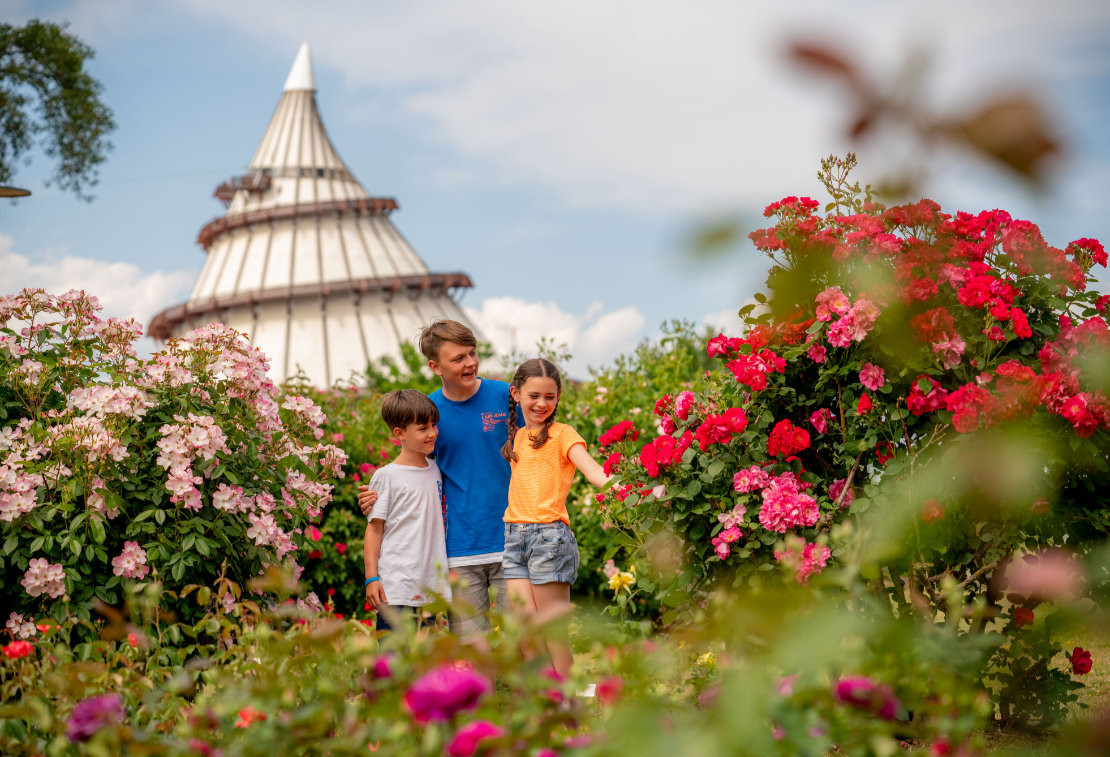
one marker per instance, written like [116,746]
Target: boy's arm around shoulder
[368,495]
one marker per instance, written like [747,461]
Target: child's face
[537,397]
[418,437]
[457,366]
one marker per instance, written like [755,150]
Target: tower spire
[300,75]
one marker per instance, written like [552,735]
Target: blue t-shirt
[475,476]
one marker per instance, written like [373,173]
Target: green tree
[47,98]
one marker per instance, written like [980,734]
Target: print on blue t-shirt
[475,476]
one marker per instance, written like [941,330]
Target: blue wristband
[372,579]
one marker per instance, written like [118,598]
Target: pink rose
[872,376]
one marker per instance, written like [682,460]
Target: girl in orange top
[541,553]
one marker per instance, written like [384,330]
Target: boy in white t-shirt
[406,551]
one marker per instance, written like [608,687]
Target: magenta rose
[466,741]
[445,691]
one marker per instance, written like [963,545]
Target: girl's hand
[366,499]
[375,595]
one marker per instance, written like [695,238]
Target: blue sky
[559,153]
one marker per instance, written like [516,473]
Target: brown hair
[533,368]
[436,333]
[402,407]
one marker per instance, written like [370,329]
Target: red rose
[608,689]
[1023,617]
[884,451]
[18,649]
[864,404]
[341,548]
[1081,662]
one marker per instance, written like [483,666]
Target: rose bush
[116,470]
[921,398]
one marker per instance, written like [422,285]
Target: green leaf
[187,544]
[178,570]
[160,516]
[96,525]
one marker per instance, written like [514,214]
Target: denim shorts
[541,552]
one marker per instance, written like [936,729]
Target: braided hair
[536,367]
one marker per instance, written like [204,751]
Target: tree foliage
[48,99]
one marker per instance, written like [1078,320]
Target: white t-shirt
[413,559]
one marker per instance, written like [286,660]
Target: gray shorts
[543,553]
[469,611]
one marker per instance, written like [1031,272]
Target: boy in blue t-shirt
[473,413]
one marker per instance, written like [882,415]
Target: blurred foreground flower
[18,649]
[862,692]
[90,715]
[465,743]
[1045,576]
[440,694]
[249,715]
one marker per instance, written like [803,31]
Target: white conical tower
[305,261]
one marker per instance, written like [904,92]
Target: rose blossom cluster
[1087,411]
[19,627]
[188,438]
[752,370]
[167,369]
[90,435]
[668,408]
[128,401]
[722,541]
[131,563]
[853,324]
[618,433]
[18,489]
[42,577]
[805,558]
[719,429]
[316,494]
[786,439]
[786,505]
[265,532]
[307,410]
[664,451]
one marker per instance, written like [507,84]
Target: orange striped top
[541,477]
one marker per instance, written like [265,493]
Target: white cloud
[514,327]
[123,289]
[724,321]
[649,105]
